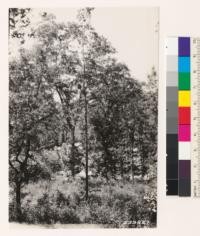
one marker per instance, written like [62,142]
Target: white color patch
[184,150]
[172,46]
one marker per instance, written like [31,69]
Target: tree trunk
[132,170]
[106,166]
[18,201]
[86,146]
[73,151]
[122,168]
[132,159]
[106,161]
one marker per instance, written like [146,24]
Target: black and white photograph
[83,117]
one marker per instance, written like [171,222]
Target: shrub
[113,205]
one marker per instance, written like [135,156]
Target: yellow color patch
[184,98]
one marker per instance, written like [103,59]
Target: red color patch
[184,115]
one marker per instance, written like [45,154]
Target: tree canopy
[74,107]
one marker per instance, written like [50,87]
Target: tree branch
[13,166]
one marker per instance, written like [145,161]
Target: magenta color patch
[184,133]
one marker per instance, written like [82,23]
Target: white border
[176,216]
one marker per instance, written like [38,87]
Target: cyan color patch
[184,64]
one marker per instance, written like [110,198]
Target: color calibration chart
[183,116]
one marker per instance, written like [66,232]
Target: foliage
[81,129]
[115,205]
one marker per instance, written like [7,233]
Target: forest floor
[62,204]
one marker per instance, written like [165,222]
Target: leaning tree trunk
[18,201]
[19,179]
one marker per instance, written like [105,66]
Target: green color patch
[184,81]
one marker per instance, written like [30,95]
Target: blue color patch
[184,64]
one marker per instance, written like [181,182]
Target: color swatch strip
[184,124]
[178,116]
